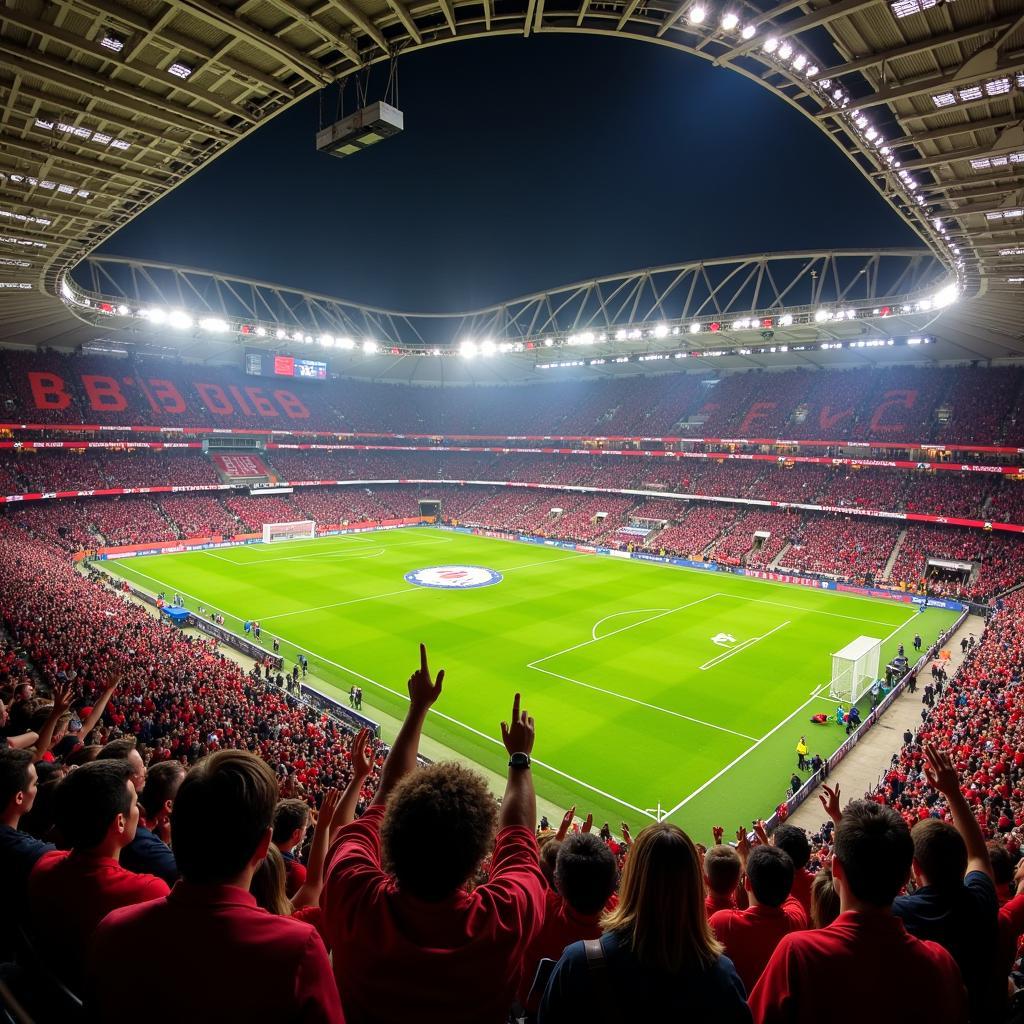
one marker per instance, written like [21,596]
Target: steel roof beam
[71,76]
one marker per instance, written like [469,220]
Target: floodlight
[280,334]
[487,348]
[748,32]
[822,315]
[730,21]
[812,70]
[661,331]
[346,343]
[122,310]
[155,316]
[111,41]
[180,69]
[799,61]
[327,340]
[212,323]
[369,346]
[357,131]
[785,51]
[771,44]
[786,320]
[548,342]
[296,335]
[695,328]
[696,15]
[621,335]
[176,318]
[972,92]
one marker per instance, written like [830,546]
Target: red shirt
[801,891]
[562,926]
[750,936]
[812,970]
[399,958]
[70,893]
[231,960]
[715,901]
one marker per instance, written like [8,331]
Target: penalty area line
[476,732]
[771,732]
[745,645]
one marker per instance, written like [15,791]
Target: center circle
[453,577]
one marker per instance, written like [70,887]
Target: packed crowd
[157,802]
[895,403]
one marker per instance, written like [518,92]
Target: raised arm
[362,765]
[519,804]
[99,707]
[308,894]
[61,702]
[423,691]
[942,775]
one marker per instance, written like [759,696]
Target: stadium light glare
[369,346]
[487,347]
[280,334]
[822,315]
[154,316]
[346,343]
[327,340]
[771,44]
[800,61]
[661,331]
[695,328]
[697,14]
[620,334]
[748,32]
[785,51]
[786,320]
[467,349]
[214,324]
[296,335]
[176,318]
[729,21]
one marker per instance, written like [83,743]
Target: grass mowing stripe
[487,637]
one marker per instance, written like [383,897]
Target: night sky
[524,164]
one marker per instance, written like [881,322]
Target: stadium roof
[108,105]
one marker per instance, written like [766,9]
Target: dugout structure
[855,668]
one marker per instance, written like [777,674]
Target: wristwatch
[519,760]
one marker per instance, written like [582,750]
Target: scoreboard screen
[267,364]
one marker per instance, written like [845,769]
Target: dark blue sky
[524,164]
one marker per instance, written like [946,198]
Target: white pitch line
[771,732]
[615,615]
[545,561]
[337,604]
[642,703]
[469,728]
[718,659]
[632,625]
[802,608]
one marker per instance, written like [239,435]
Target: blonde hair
[268,884]
[661,902]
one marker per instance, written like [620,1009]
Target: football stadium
[376,605]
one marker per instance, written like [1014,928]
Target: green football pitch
[652,686]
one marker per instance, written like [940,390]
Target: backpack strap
[597,968]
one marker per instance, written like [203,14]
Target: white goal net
[855,668]
[288,531]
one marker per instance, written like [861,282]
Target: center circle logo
[453,577]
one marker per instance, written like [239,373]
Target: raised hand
[362,756]
[518,735]
[742,844]
[830,801]
[328,808]
[588,824]
[626,837]
[423,690]
[718,834]
[63,697]
[939,770]
[567,819]
[761,832]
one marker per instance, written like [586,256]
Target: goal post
[304,528]
[855,668]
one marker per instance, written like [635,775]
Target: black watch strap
[519,760]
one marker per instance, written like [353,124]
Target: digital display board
[269,364]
